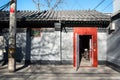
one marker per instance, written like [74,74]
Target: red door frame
[86,31]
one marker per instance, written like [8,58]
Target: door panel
[91,61]
[77,53]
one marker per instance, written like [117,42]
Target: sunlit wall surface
[116,5]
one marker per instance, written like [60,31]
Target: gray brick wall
[113,41]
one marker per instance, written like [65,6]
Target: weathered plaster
[46,46]
[51,46]
[102,46]
[67,46]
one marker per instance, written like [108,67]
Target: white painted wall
[102,46]
[67,46]
[21,48]
[46,47]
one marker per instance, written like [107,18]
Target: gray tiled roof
[63,15]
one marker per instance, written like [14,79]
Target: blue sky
[106,6]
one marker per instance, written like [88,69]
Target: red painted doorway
[85,40]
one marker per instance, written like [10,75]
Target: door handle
[94,49]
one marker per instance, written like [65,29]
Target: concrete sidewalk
[59,72]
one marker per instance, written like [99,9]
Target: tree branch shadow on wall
[5,57]
[4,60]
[44,50]
[53,51]
[27,54]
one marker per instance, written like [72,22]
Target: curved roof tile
[68,15]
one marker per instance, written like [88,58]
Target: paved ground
[59,72]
